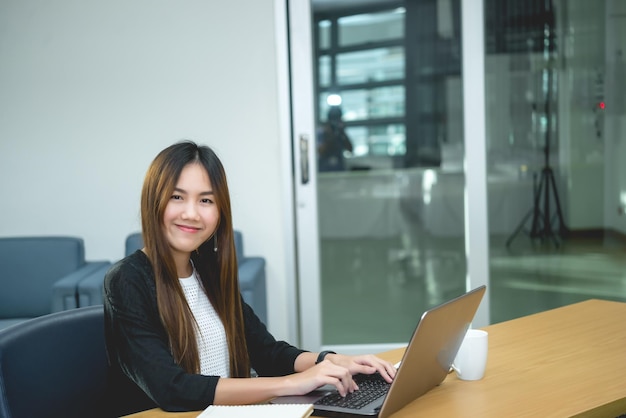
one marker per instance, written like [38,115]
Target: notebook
[256,411]
[425,364]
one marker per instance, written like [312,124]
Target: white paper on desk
[256,411]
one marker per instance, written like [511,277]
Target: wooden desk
[565,362]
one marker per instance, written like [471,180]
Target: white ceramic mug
[471,360]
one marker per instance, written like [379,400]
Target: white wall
[91,91]
[593,71]
[581,150]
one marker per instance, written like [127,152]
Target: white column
[476,225]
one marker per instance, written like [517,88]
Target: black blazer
[143,371]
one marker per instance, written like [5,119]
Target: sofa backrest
[28,268]
[238,238]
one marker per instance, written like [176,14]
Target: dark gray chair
[40,275]
[55,366]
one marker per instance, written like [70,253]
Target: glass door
[440,187]
[387,166]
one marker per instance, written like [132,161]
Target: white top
[210,333]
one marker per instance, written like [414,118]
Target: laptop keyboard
[371,387]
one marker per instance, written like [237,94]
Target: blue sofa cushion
[29,267]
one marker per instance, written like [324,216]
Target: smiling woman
[191,216]
[178,333]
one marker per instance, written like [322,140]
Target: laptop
[425,364]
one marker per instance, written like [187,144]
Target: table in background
[565,362]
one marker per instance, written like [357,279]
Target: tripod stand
[542,219]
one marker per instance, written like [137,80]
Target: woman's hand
[366,364]
[324,373]
[336,370]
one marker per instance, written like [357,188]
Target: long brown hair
[217,269]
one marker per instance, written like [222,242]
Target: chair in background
[55,366]
[133,243]
[251,273]
[40,275]
[90,289]
[251,277]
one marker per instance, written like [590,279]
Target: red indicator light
[601,105]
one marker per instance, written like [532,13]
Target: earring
[215,241]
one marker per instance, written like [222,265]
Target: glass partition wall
[391,218]
[554,153]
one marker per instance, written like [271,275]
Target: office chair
[55,366]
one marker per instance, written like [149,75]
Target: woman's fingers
[337,370]
[340,377]
[369,364]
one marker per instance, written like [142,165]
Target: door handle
[304,158]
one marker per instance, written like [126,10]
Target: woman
[178,334]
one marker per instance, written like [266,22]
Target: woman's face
[191,215]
